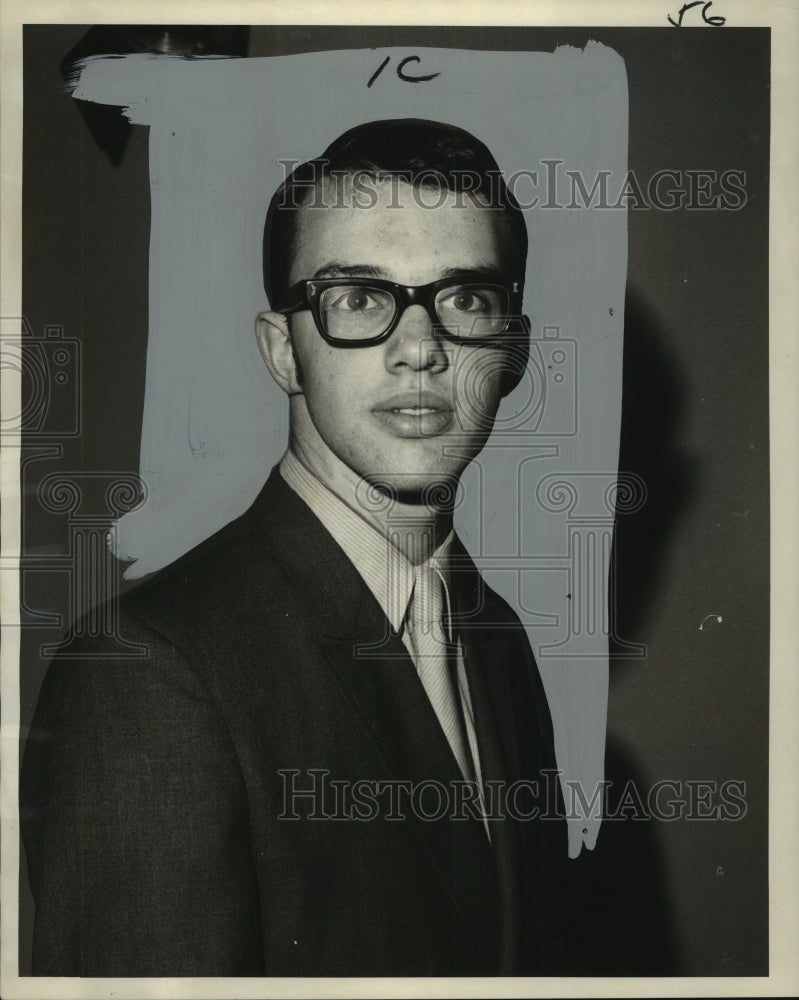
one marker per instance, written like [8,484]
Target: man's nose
[415,342]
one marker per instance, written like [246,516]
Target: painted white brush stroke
[214,424]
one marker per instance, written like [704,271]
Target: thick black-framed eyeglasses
[362,312]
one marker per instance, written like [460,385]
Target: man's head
[394,264]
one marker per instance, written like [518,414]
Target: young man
[329,764]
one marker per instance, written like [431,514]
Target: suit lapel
[488,652]
[378,676]
[375,673]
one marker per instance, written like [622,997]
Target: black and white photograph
[399,486]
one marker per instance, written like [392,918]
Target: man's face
[415,409]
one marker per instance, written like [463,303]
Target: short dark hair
[417,151]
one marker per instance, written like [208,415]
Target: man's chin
[435,490]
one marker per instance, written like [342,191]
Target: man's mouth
[415,414]
[421,399]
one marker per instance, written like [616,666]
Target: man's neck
[417,529]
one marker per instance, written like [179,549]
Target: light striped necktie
[436,658]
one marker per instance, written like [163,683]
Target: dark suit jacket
[154,791]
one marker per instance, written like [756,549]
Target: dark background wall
[695,427]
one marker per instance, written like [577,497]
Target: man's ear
[274,342]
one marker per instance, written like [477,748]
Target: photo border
[784,416]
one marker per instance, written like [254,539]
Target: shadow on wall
[653,404]
[622,888]
[617,899]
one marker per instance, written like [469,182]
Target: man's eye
[465,301]
[354,300]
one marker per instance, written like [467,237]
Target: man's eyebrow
[336,270]
[485,272]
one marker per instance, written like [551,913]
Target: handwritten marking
[413,79]
[401,73]
[715,22]
[378,71]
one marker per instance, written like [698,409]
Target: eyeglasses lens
[356,312]
[471,311]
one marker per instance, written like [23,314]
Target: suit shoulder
[214,585]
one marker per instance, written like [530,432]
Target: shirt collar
[385,570]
